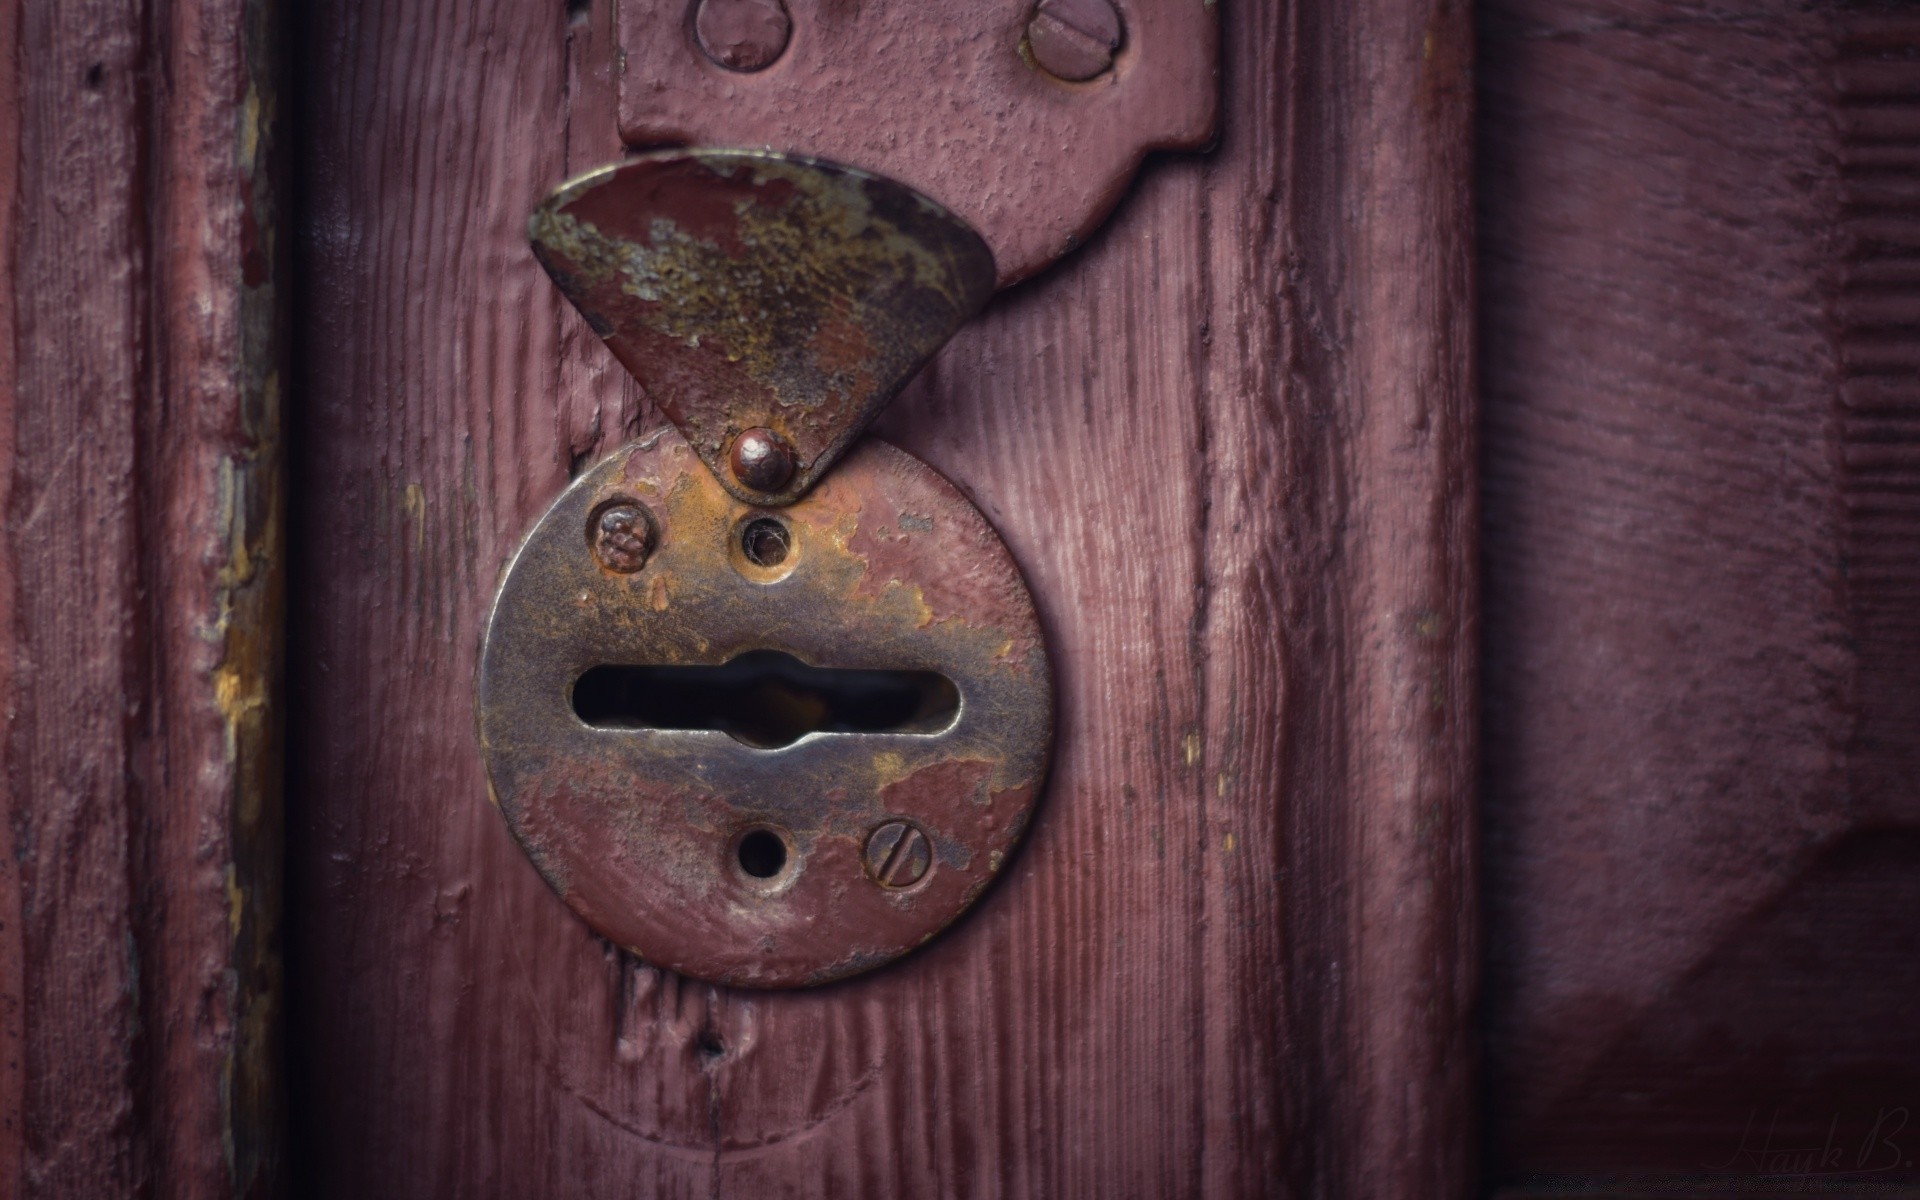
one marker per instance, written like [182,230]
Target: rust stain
[842,347]
[248,621]
[752,290]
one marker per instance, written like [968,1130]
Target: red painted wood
[140,601]
[1703,551]
[70,1005]
[1230,443]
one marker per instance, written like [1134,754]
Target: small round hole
[762,854]
[765,541]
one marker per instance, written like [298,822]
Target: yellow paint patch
[249,130]
[1190,747]
[413,502]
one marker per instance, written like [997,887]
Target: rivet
[761,461]
[743,35]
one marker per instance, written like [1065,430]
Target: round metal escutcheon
[702,755]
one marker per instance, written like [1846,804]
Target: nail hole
[762,854]
[765,541]
[96,75]
[766,699]
[708,1044]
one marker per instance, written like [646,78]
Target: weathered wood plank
[72,573]
[140,451]
[1701,659]
[1230,443]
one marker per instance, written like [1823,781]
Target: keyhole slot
[766,699]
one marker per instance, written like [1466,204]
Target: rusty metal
[765,542]
[693,848]
[742,35]
[1074,40]
[754,291]
[761,461]
[942,98]
[622,536]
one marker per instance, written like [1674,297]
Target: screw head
[622,536]
[742,35]
[1074,40]
[761,461]
[898,854]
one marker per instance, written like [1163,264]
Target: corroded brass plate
[830,800]
[750,291]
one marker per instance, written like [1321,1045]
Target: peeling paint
[750,290]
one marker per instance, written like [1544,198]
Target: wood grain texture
[140,864]
[1700,340]
[1231,445]
[1875,315]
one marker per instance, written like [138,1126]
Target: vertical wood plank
[1383,702]
[1700,324]
[73,573]
[1876,320]
[440,996]
[13,1013]
[141,570]
[212,459]
[1231,444]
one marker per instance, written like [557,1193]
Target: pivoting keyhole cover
[767,746]
[764,701]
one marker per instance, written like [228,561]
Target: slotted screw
[898,854]
[1074,40]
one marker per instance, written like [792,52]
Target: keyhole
[766,699]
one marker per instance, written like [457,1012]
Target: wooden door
[1229,442]
[1609,302]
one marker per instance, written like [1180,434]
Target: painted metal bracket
[1026,121]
